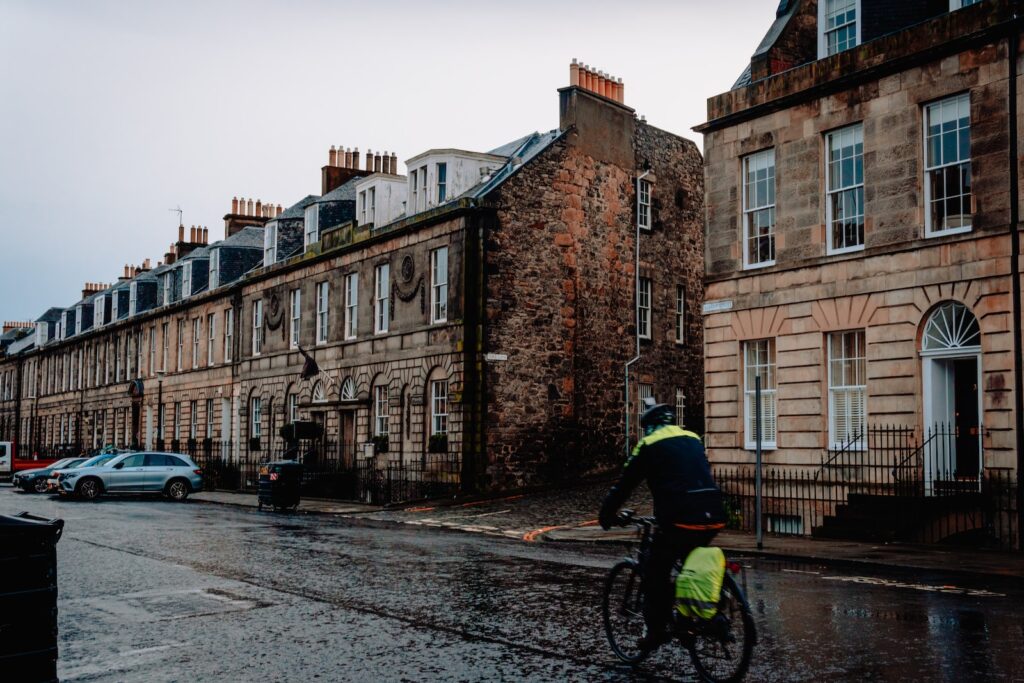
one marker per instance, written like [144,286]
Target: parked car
[53,483]
[172,474]
[35,480]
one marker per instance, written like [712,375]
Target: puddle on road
[180,604]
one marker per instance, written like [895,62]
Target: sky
[114,113]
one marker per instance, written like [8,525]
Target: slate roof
[52,315]
[519,152]
[783,14]
[296,210]
[200,253]
[344,192]
[247,238]
[24,344]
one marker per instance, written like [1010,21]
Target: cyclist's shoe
[652,641]
[718,627]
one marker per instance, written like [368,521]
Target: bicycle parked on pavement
[720,648]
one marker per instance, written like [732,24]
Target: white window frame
[311,224]
[439,285]
[186,280]
[680,405]
[193,414]
[414,195]
[855,133]
[351,305]
[439,407]
[960,99]
[381,410]
[680,314]
[751,209]
[296,316]
[424,194]
[257,327]
[441,170]
[181,344]
[168,289]
[322,295]
[229,331]
[256,418]
[214,269]
[362,208]
[371,200]
[211,331]
[293,406]
[643,204]
[270,244]
[644,291]
[823,33]
[152,351]
[133,299]
[382,298]
[166,344]
[197,335]
[836,440]
[769,403]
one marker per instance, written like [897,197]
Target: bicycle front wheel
[623,610]
[721,647]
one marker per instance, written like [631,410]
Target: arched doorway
[951,377]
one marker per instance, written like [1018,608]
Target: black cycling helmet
[656,414]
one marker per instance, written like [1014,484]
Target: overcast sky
[111,113]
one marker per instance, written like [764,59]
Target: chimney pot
[377,164]
[622,91]
[181,233]
[259,207]
[369,160]
[332,157]
[574,73]
[234,205]
[278,210]
[394,163]
[206,235]
[192,234]
[248,207]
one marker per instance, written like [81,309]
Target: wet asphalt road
[156,591]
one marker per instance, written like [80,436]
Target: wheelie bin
[28,597]
[279,485]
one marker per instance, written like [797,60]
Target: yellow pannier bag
[699,584]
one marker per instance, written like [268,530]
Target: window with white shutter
[847,389]
[759,361]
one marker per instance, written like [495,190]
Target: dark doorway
[968,451]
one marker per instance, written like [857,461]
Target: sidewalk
[309,506]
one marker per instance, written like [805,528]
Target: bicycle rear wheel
[721,647]
[623,611]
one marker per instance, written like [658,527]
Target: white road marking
[889,583]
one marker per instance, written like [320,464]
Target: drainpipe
[1018,374]
[636,300]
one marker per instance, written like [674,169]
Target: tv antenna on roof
[180,212]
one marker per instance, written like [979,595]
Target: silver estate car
[171,474]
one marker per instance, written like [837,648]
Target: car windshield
[72,462]
[99,460]
[63,462]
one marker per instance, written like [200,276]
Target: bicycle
[719,648]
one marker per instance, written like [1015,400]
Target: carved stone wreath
[408,268]
[275,312]
[409,296]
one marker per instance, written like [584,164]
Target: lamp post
[160,409]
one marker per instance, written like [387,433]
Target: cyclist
[687,506]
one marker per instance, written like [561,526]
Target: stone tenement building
[481,305]
[862,257]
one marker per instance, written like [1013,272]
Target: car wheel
[89,489]
[39,486]
[177,490]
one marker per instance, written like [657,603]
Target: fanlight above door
[951,326]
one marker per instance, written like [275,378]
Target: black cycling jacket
[673,462]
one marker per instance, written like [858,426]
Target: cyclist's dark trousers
[670,544]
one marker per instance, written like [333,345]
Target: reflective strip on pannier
[699,584]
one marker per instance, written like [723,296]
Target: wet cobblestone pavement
[156,591]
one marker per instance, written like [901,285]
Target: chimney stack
[587,78]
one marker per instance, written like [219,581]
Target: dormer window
[78,320]
[113,306]
[958,4]
[312,221]
[838,26]
[186,280]
[270,244]
[133,298]
[442,183]
[99,311]
[41,334]
[214,268]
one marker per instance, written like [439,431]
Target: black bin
[28,597]
[279,484]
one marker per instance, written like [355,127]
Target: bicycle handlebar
[627,517]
